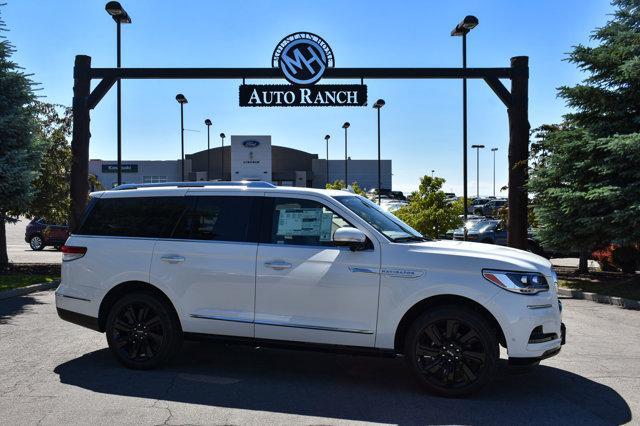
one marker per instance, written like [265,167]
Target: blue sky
[421,122]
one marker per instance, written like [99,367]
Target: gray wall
[365,172]
[170,169]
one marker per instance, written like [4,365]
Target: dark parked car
[494,232]
[490,208]
[40,234]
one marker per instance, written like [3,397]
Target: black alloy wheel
[453,351]
[142,331]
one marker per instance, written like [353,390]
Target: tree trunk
[4,258]
[583,264]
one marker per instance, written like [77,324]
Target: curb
[21,291]
[599,298]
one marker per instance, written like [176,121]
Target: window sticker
[300,222]
[326,226]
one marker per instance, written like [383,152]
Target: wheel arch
[124,288]
[440,300]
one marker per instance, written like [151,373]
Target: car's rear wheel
[143,331]
[36,242]
[452,350]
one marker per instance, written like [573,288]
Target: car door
[307,288]
[500,234]
[208,264]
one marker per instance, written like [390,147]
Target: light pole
[222,136]
[477,148]
[182,100]
[120,16]
[345,126]
[208,123]
[467,24]
[326,138]
[378,105]
[432,171]
[494,170]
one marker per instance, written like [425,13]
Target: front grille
[537,336]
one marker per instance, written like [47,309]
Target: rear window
[151,217]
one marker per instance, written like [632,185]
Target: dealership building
[247,158]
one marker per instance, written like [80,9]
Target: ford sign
[250,144]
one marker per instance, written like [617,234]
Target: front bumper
[547,354]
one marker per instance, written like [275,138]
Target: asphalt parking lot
[53,372]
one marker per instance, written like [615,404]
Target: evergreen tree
[19,146]
[587,189]
[608,100]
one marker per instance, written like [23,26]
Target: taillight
[70,253]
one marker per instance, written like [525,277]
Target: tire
[143,332]
[57,248]
[36,242]
[452,350]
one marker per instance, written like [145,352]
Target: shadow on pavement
[346,387]
[15,306]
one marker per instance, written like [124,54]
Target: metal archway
[516,101]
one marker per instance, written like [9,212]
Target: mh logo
[303,58]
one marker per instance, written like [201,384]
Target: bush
[604,257]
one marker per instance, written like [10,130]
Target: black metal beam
[499,89]
[271,73]
[100,90]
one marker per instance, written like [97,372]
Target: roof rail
[196,184]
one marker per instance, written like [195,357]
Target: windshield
[483,226]
[384,222]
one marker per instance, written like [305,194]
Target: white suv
[252,262]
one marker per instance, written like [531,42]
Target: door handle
[172,259]
[278,265]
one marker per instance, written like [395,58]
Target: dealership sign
[303,59]
[125,168]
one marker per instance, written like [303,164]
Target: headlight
[517,282]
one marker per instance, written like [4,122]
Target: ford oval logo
[250,144]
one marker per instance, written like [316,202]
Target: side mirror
[351,237]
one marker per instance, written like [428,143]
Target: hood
[486,255]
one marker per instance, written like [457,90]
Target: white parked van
[255,263]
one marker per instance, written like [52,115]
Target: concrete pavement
[53,372]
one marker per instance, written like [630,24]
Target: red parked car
[40,234]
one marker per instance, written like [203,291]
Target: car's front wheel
[452,350]
[143,331]
[36,242]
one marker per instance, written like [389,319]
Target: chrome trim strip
[221,318]
[76,298]
[314,327]
[539,306]
[280,324]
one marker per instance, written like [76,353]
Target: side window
[150,217]
[216,218]
[303,222]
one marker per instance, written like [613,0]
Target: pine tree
[19,146]
[608,100]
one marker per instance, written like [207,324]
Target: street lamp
[432,171]
[182,100]
[477,148]
[120,16]
[345,126]
[208,123]
[222,136]
[378,105]
[326,138]
[467,24]
[494,170]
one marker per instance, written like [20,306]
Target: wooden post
[518,153]
[80,139]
